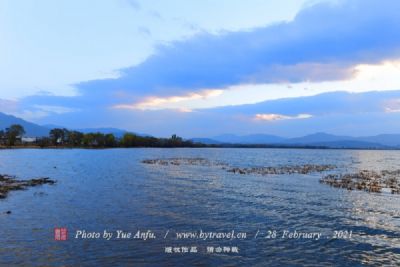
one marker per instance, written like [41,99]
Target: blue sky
[203,68]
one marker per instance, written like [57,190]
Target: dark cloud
[332,103]
[322,43]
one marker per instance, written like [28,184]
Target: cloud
[324,42]
[391,110]
[31,115]
[392,105]
[35,112]
[337,112]
[8,105]
[55,109]
[160,102]
[185,110]
[278,117]
[296,73]
[319,105]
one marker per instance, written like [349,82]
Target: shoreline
[200,146]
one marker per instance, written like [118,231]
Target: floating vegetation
[184,161]
[365,180]
[300,169]
[10,183]
[370,181]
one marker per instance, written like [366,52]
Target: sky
[203,68]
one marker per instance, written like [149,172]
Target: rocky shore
[10,183]
[366,180]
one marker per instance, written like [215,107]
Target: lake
[113,190]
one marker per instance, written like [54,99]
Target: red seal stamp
[60,234]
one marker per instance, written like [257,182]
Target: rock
[365,180]
[10,183]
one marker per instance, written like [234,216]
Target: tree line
[10,135]
[62,137]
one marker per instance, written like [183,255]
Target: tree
[74,138]
[2,137]
[175,141]
[94,140]
[13,132]
[44,142]
[110,140]
[129,140]
[58,135]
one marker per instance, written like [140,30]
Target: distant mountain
[349,144]
[52,126]
[207,141]
[249,139]
[31,129]
[378,141]
[318,138]
[384,139]
[35,130]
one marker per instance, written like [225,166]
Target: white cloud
[171,102]
[31,114]
[366,78]
[392,106]
[278,117]
[55,109]
[390,110]
[41,111]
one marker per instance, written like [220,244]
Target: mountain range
[382,141]
[317,139]
[35,130]
[31,129]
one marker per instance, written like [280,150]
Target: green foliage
[58,136]
[110,140]
[13,133]
[74,138]
[66,138]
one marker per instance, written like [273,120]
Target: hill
[31,129]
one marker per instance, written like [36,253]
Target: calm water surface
[112,189]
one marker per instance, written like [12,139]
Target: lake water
[112,190]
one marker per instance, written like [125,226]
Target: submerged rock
[10,183]
[366,180]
